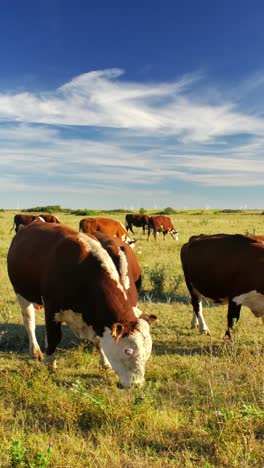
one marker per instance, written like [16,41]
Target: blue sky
[114,104]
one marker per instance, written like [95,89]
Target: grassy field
[202,405]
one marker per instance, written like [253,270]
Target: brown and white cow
[74,277]
[108,226]
[126,263]
[162,224]
[22,219]
[50,218]
[138,220]
[226,268]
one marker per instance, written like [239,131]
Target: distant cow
[74,277]
[138,220]
[126,264]
[162,224]
[24,219]
[49,218]
[226,268]
[108,226]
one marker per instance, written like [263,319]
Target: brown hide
[160,224]
[108,226]
[52,263]
[49,218]
[223,266]
[137,220]
[113,246]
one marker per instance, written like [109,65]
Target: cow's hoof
[38,356]
[206,331]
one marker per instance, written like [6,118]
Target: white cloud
[103,99]
[159,134]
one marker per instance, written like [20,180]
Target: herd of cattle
[90,280]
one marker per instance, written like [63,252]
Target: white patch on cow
[128,356]
[76,324]
[253,300]
[83,331]
[175,235]
[102,255]
[124,269]
[41,219]
[199,320]
[28,312]
[137,311]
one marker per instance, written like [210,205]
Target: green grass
[202,405]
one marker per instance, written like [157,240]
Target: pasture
[203,403]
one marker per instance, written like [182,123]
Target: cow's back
[218,265]
[29,255]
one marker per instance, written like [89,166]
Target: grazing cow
[226,268]
[138,220]
[25,219]
[21,220]
[108,226]
[126,263]
[74,277]
[161,224]
[49,218]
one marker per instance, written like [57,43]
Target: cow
[24,219]
[126,263]
[162,224]
[226,268]
[50,218]
[108,226]
[138,220]
[76,281]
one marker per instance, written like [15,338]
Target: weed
[19,456]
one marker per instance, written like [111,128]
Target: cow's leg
[198,318]
[53,336]
[198,309]
[148,233]
[28,312]
[103,361]
[195,321]
[233,316]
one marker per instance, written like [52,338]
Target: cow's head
[128,353]
[174,234]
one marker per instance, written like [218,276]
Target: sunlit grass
[202,405]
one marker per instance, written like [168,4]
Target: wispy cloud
[100,132]
[104,99]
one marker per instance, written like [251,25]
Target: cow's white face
[175,234]
[128,355]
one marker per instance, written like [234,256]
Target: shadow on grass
[13,337]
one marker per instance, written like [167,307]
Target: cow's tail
[13,227]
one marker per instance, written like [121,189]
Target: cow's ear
[117,331]
[148,317]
